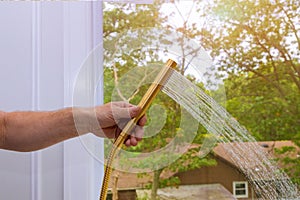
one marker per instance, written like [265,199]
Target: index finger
[122,104]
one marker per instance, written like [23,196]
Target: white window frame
[234,184]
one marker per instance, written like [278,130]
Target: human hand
[113,116]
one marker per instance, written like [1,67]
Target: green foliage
[119,18]
[254,46]
[118,63]
[190,161]
[143,198]
[256,104]
[289,158]
[170,182]
[256,43]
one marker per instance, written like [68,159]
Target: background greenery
[255,50]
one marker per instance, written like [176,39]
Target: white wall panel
[76,52]
[15,92]
[15,62]
[42,47]
[48,57]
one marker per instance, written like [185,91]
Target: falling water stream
[268,181]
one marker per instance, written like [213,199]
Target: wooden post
[115,187]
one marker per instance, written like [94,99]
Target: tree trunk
[155,184]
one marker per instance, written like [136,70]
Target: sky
[184,7]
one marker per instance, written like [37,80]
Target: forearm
[29,131]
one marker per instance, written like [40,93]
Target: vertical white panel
[47,169]
[42,46]
[83,32]
[15,62]
[15,92]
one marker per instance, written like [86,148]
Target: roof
[269,147]
[131,180]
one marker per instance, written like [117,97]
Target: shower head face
[160,80]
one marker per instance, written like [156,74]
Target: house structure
[225,173]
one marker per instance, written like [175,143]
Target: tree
[290,162]
[255,104]
[256,43]
[121,56]
[251,35]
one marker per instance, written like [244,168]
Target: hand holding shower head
[144,104]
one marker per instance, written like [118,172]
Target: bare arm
[29,131]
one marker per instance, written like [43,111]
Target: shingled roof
[267,146]
[131,180]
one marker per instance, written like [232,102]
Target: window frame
[234,184]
